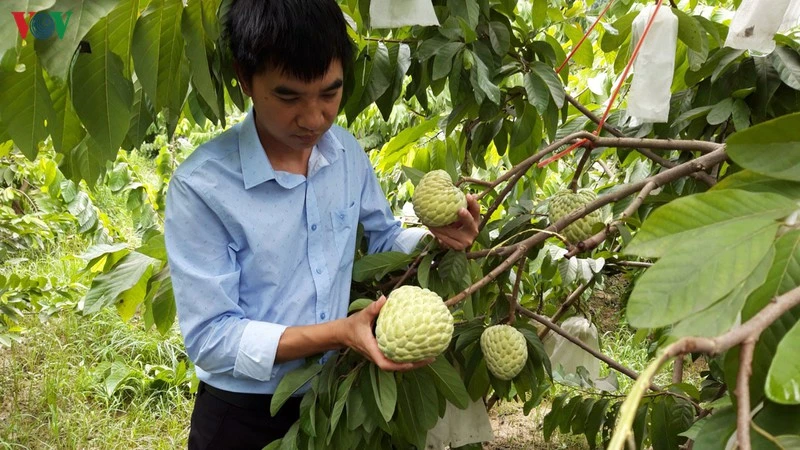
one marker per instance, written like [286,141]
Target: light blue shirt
[253,250]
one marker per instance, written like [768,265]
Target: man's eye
[288,99]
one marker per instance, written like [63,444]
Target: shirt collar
[257,169]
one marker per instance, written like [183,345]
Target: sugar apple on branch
[505,350]
[564,203]
[436,200]
[413,325]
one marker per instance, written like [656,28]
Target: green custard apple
[436,200]
[413,325]
[505,350]
[564,203]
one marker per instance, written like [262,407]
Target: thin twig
[571,298]
[632,263]
[573,185]
[743,392]
[415,264]
[500,199]
[677,371]
[514,298]
[474,181]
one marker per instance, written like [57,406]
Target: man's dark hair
[299,37]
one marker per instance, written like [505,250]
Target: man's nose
[312,118]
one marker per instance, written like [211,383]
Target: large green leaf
[416,406]
[538,92]
[669,417]
[448,382]
[292,382]
[200,47]
[689,280]
[65,129]
[142,116]
[108,287]
[342,391]
[384,388]
[716,430]
[121,22]
[724,312]
[783,378]
[379,264]
[25,105]
[443,60]
[9,34]
[157,50]
[747,180]
[771,148]
[691,221]
[549,76]
[102,96]
[783,276]
[56,54]
[787,62]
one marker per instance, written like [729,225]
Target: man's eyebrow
[283,90]
[334,86]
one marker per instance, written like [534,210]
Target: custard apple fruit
[413,325]
[436,200]
[565,202]
[505,350]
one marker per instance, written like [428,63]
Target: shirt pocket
[345,225]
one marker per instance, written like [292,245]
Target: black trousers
[229,421]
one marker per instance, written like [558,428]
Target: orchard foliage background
[701,212]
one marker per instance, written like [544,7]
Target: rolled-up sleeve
[205,279]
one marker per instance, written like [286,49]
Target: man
[261,223]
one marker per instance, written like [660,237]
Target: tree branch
[660,179]
[743,392]
[573,185]
[712,346]
[705,178]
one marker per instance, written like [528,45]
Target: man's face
[292,114]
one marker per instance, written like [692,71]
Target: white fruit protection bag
[460,427]
[568,355]
[401,13]
[648,100]
[755,23]
[792,17]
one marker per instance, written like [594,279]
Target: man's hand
[461,234]
[359,337]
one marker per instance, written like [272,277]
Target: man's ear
[244,83]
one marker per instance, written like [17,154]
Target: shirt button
[322,316]
[319,271]
[314,227]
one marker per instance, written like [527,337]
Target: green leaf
[381,75]
[293,381]
[720,112]
[499,37]
[65,129]
[416,408]
[56,54]
[726,311]
[121,22]
[107,287]
[789,441]
[584,56]
[102,96]
[691,221]
[538,92]
[524,135]
[384,388]
[550,78]
[25,105]
[787,62]
[551,420]
[740,115]
[399,145]
[342,393]
[783,378]
[771,148]
[750,181]
[784,274]
[595,421]
[359,304]
[158,55]
[690,32]
[9,34]
[615,35]
[130,300]
[142,117]
[667,292]
[379,264]
[717,430]
[448,382]
[200,47]
[442,62]
[482,83]
[669,418]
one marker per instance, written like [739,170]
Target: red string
[585,35]
[614,94]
